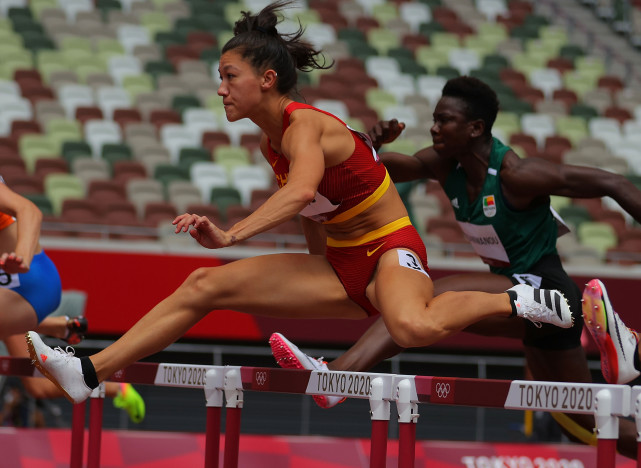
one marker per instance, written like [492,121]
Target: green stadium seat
[379,99]
[167,173]
[61,130]
[155,22]
[113,152]
[229,155]
[182,102]
[75,149]
[105,6]
[159,67]
[210,55]
[427,29]
[583,110]
[571,51]
[383,40]
[598,235]
[59,187]
[430,58]
[447,72]
[42,201]
[224,197]
[137,84]
[575,215]
[35,146]
[189,156]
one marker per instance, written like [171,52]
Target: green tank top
[508,241]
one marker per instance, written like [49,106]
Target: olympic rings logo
[442,389]
[261,378]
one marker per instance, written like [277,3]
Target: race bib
[486,243]
[407,259]
[318,208]
[9,281]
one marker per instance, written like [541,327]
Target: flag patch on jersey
[489,206]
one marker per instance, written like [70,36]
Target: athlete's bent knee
[206,284]
[200,282]
[406,333]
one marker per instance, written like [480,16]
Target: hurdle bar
[606,402]
[375,387]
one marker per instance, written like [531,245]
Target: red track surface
[49,448]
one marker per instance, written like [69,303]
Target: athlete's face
[451,128]
[240,86]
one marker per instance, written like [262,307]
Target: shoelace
[317,362]
[540,310]
[66,353]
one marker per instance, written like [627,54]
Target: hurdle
[606,402]
[227,384]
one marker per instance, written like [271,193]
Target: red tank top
[343,186]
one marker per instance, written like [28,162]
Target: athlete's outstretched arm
[526,179]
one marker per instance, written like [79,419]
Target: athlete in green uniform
[502,203]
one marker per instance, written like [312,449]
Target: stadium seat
[248,178]
[207,175]
[177,136]
[540,126]
[598,235]
[59,187]
[223,198]
[99,132]
[89,169]
[111,98]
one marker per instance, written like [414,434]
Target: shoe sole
[595,316]
[287,359]
[36,362]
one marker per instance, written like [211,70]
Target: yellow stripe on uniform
[362,206]
[373,235]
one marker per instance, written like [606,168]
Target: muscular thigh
[16,314]
[280,285]
[396,288]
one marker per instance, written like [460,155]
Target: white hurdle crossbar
[606,402]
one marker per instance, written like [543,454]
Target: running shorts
[355,264]
[40,286]
[548,273]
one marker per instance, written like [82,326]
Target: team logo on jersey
[489,206]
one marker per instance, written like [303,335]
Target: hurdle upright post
[233,386]
[77,434]
[96,403]
[380,411]
[407,416]
[637,420]
[607,429]
[214,380]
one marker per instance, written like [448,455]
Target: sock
[89,372]
[513,297]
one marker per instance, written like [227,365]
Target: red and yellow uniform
[345,191]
